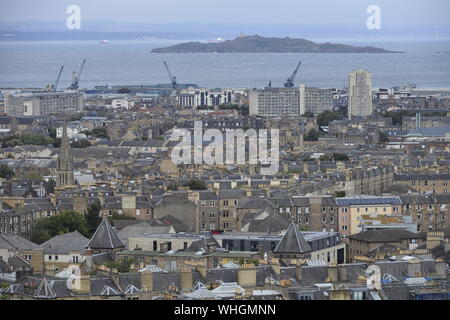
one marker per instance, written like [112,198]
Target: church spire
[64,166]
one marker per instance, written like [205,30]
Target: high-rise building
[315,100]
[64,165]
[273,102]
[359,93]
[43,103]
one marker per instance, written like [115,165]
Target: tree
[327,116]
[93,218]
[122,265]
[334,157]
[34,176]
[116,216]
[6,172]
[196,185]
[100,133]
[81,143]
[172,186]
[312,135]
[67,221]
[339,194]
[308,114]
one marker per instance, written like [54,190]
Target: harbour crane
[76,77]
[173,79]
[290,81]
[54,87]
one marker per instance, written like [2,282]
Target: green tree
[196,185]
[116,216]
[34,176]
[312,135]
[6,172]
[93,218]
[81,143]
[339,194]
[100,133]
[324,118]
[122,265]
[172,186]
[67,221]
[308,114]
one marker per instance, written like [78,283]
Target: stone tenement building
[425,183]
[369,180]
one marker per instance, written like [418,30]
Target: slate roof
[105,237]
[65,243]
[387,235]
[257,203]
[292,242]
[13,242]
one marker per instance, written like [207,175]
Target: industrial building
[43,103]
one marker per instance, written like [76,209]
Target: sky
[394,13]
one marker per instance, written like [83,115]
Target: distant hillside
[261,44]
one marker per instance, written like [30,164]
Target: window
[212,214]
[56,257]
[212,203]
[138,212]
[75,259]
[148,211]
[212,226]
[49,257]
[324,219]
[225,203]
[155,245]
[203,226]
[236,202]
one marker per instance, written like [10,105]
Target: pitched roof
[105,237]
[14,242]
[384,235]
[65,243]
[45,290]
[292,242]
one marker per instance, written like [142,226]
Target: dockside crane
[290,81]
[76,77]
[54,87]
[173,79]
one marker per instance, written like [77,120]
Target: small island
[258,44]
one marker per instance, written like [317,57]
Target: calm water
[34,64]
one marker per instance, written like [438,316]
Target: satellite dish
[75,274]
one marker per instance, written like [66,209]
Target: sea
[425,63]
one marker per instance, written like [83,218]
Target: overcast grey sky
[404,13]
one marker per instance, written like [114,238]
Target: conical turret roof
[292,242]
[105,237]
